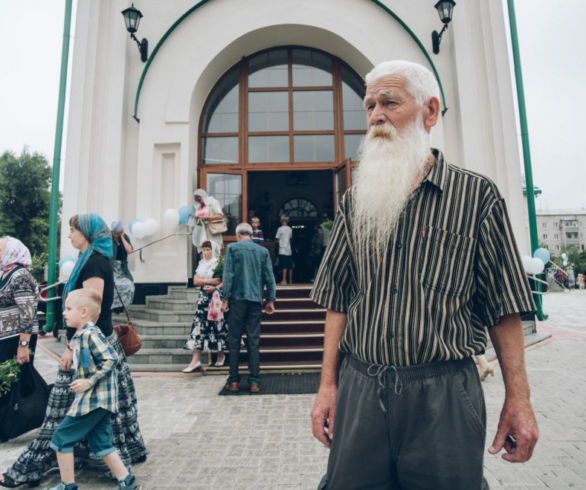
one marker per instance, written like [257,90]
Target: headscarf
[204,195]
[117,226]
[16,253]
[96,231]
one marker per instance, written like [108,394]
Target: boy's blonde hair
[254,219]
[89,298]
[285,218]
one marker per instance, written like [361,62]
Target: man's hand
[209,289]
[517,431]
[66,359]
[270,307]
[323,414]
[22,354]
[80,385]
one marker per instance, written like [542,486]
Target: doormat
[279,384]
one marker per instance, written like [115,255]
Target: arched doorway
[282,125]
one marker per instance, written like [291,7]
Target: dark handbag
[217,227]
[23,409]
[128,337]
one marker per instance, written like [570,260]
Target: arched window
[285,108]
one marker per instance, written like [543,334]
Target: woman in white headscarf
[207,209]
[19,295]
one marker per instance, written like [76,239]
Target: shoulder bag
[128,337]
[217,227]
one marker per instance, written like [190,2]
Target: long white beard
[390,164]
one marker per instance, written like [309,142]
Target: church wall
[124,169]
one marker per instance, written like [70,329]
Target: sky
[554,72]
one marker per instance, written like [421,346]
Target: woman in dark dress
[91,236]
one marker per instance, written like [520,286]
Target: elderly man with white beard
[421,262]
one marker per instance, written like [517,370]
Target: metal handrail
[46,288]
[139,250]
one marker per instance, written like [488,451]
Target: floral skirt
[38,457]
[206,335]
[124,286]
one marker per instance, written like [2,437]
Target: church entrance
[305,196]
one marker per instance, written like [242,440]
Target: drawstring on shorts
[378,371]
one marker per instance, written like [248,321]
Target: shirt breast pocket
[85,358]
[446,261]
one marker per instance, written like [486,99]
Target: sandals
[220,363]
[10,483]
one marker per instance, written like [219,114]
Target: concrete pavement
[198,440]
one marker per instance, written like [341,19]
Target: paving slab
[199,440]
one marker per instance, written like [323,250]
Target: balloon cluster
[66,265]
[171,218]
[536,264]
[141,229]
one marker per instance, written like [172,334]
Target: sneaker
[63,486]
[129,482]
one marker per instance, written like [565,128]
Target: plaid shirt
[94,360]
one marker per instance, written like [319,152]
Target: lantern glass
[132,18]
[444,9]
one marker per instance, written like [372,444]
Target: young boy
[284,235]
[257,235]
[96,393]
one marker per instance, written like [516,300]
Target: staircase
[291,338]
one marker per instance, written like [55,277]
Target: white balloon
[65,270]
[151,226]
[139,230]
[564,256]
[533,265]
[171,217]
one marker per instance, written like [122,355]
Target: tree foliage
[25,196]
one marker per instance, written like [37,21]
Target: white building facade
[259,103]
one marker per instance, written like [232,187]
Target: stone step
[186,294]
[243,368]
[266,340]
[148,327]
[166,303]
[163,316]
[267,354]
[296,315]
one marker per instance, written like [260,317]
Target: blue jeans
[244,316]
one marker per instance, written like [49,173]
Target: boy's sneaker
[63,486]
[129,483]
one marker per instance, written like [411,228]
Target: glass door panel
[227,189]
[342,180]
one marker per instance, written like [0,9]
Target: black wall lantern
[132,18]
[444,9]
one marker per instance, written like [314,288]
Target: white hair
[244,229]
[421,82]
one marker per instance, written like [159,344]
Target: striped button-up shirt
[94,360]
[450,270]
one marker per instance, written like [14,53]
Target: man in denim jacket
[247,270]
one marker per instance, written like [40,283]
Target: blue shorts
[95,425]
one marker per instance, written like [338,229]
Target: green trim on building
[421,47]
[203,2]
[530,190]
[54,210]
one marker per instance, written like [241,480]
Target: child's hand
[80,385]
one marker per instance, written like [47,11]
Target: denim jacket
[247,269]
